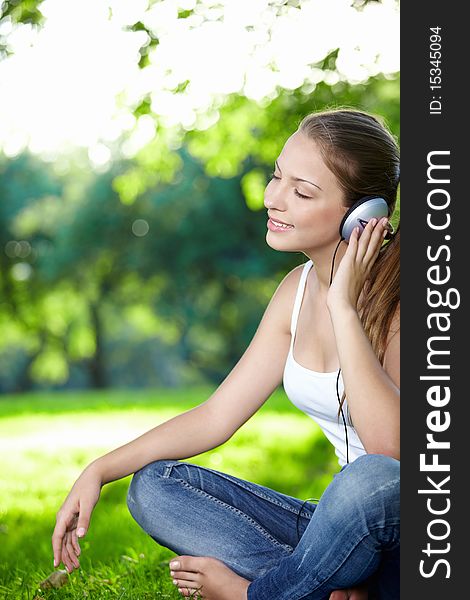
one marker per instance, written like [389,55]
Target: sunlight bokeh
[66,87]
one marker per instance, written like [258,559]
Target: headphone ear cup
[360,213]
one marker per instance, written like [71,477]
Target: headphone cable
[298,516]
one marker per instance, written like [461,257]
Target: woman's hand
[73,518]
[356,264]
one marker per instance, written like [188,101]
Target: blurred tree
[188,249]
[168,248]
[24,182]
[203,235]
[186,263]
[191,245]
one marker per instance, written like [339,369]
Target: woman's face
[305,194]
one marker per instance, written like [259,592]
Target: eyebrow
[298,178]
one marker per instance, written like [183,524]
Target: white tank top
[314,392]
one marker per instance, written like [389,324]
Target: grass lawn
[46,440]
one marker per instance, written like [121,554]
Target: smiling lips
[278,225]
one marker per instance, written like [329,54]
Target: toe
[184,575]
[187,563]
[186,581]
[175,563]
[339,595]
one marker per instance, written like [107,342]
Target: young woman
[331,334]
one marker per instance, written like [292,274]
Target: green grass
[47,439]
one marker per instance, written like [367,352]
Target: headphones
[360,213]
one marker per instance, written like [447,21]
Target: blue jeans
[350,536]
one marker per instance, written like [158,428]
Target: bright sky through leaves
[74,82]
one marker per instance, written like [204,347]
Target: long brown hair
[362,153]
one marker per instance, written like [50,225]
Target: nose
[273,199]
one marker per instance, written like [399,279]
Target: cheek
[318,219]
[323,225]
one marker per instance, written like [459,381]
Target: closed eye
[295,191]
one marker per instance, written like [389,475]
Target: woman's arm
[188,434]
[373,392]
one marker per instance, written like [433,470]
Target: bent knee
[377,466]
[373,476]
[378,463]
[144,487]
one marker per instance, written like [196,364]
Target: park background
[136,139]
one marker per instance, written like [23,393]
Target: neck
[322,261]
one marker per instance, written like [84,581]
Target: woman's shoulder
[284,296]
[291,280]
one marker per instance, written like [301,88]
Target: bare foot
[208,578]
